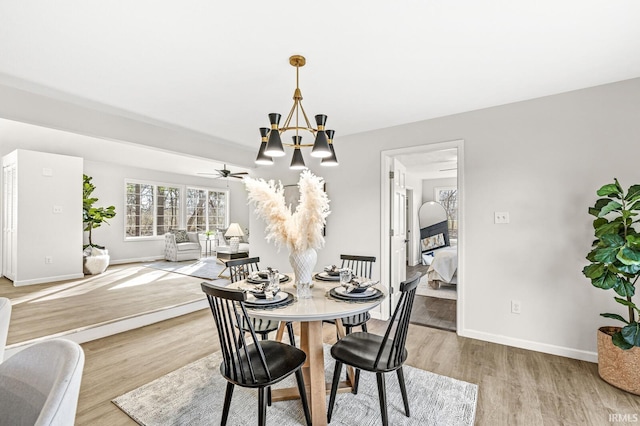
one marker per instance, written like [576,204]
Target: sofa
[181,245]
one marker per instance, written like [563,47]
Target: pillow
[181,235]
[432,242]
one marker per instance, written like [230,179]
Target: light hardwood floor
[516,386]
[122,291]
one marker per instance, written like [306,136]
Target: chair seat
[281,359]
[355,349]
[187,246]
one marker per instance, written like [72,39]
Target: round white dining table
[310,313]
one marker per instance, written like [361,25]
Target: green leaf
[599,222]
[608,228]
[613,240]
[625,302]
[606,281]
[629,269]
[624,288]
[595,210]
[619,341]
[606,254]
[610,189]
[615,317]
[631,333]
[633,193]
[628,256]
[633,241]
[594,270]
[610,207]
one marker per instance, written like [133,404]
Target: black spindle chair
[241,269]
[361,266]
[258,365]
[378,354]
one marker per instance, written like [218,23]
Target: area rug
[193,395]
[445,291]
[207,268]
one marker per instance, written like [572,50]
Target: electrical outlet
[516,307]
[48,260]
[57,209]
[501,217]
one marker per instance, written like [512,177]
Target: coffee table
[224,256]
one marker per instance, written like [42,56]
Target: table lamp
[235,232]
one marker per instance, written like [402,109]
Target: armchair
[181,245]
[40,384]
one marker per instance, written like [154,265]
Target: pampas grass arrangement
[301,229]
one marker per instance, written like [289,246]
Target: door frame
[386,160]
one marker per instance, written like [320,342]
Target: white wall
[428,185]
[41,232]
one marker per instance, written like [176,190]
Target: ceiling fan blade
[212,174]
[238,174]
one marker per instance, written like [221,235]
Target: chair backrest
[5,317]
[40,384]
[241,269]
[239,358]
[401,313]
[360,265]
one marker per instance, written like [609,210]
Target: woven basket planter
[618,367]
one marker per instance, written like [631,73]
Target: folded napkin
[358,284]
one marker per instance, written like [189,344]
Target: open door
[398,215]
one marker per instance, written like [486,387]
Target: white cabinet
[41,217]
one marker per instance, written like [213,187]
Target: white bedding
[444,265]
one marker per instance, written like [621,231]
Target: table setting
[265,292]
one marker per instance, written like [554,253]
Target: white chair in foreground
[5,316]
[40,384]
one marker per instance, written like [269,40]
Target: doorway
[420,164]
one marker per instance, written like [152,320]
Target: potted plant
[96,258]
[615,264]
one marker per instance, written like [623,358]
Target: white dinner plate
[277,298]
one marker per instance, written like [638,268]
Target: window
[206,209]
[153,209]
[448,197]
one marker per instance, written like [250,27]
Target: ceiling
[220,67]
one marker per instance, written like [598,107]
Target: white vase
[303,262]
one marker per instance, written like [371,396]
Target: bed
[439,255]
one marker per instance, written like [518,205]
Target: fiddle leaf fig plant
[93,217]
[615,256]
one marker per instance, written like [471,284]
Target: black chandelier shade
[331,160]
[297,161]
[274,146]
[321,145]
[262,158]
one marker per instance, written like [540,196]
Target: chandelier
[271,144]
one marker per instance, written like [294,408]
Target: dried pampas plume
[301,229]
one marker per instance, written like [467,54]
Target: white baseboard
[136,260]
[531,345]
[109,328]
[19,283]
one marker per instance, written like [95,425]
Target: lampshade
[331,160]
[262,158]
[274,146]
[321,145]
[297,162]
[234,231]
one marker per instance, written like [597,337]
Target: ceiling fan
[226,173]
